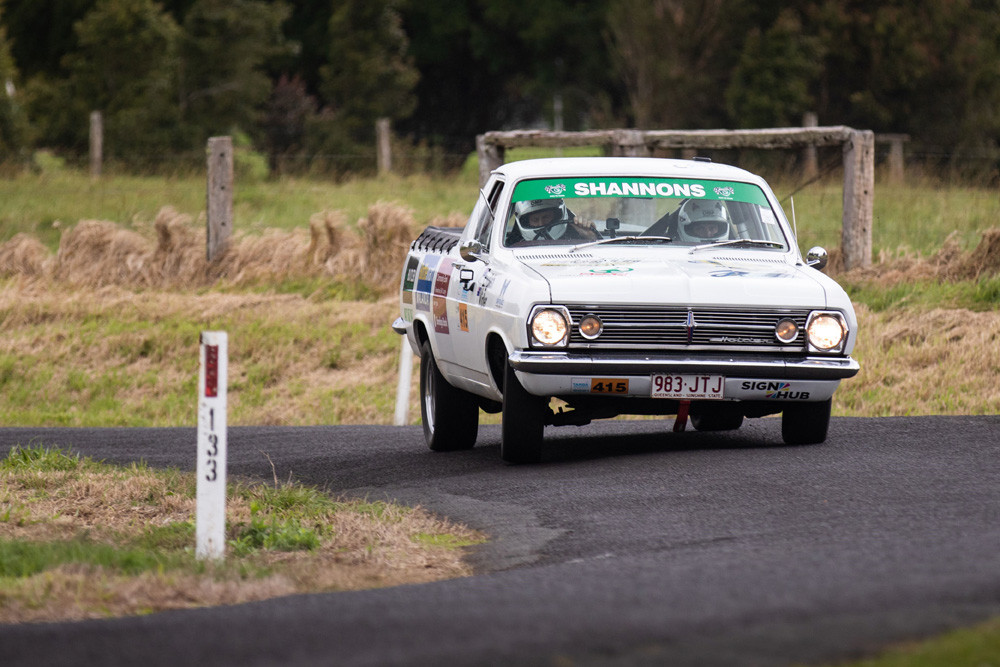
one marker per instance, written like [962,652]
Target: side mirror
[817,258]
[470,250]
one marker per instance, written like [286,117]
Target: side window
[488,206]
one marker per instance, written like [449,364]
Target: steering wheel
[543,231]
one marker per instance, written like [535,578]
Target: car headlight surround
[548,326]
[826,332]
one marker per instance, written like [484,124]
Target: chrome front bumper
[623,364]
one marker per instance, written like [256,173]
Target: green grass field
[916,218]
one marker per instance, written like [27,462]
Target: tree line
[304,80]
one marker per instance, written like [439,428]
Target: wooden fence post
[96,143]
[630,143]
[896,158]
[220,195]
[859,193]
[810,163]
[490,157]
[383,136]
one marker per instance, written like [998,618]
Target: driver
[545,219]
[702,221]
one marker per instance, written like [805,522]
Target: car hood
[681,278]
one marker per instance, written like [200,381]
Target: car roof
[622,166]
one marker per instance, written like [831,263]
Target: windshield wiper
[624,239]
[747,242]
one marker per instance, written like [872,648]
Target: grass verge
[83,539]
[978,646]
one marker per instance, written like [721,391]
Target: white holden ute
[622,286]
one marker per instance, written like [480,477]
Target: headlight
[786,330]
[549,327]
[591,327]
[826,332]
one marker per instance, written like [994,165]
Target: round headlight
[549,327]
[786,331]
[591,327]
[825,332]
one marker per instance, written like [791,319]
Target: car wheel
[523,422]
[806,423]
[717,418]
[450,415]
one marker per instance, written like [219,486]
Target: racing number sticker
[609,386]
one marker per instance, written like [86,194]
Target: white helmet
[524,209]
[702,221]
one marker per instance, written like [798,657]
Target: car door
[474,278]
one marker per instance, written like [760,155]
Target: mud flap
[680,422]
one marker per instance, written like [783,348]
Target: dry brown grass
[293,360]
[942,361]
[948,263]
[171,253]
[359,550]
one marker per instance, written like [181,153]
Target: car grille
[688,328]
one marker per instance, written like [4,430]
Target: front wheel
[450,416]
[523,421]
[806,423]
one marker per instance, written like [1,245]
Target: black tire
[450,415]
[523,422]
[722,417]
[806,423]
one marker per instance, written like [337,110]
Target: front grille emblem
[690,326]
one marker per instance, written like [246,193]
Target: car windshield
[660,211]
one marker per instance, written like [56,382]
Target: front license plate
[687,386]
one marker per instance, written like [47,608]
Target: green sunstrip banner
[638,187]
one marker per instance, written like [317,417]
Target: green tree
[490,64]
[465,61]
[308,27]
[675,58]
[556,51]
[42,32]
[227,46]
[125,65]
[13,124]
[369,73]
[773,82]
[927,68]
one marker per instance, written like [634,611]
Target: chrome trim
[600,327]
[837,315]
[563,312]
[684,328]
[471,250]
[817,258]
[575,363]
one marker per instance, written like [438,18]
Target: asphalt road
[629,545]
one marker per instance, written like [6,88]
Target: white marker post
[403,386]
[210,523]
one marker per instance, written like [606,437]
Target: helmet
[700,221]
[525,210]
